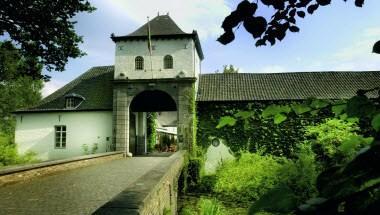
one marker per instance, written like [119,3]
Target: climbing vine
[244,128]
[152,132]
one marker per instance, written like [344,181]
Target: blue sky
[338,37]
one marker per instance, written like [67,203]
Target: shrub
[209,207]
[203,206]
[300,175]
[8,153]
[336,141]
[249,177]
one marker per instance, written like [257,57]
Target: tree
[283,20]
[16,91]
[43,29]
[229,69]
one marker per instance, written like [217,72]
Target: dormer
[173,54]
[73,101]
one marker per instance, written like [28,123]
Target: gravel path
[78,191]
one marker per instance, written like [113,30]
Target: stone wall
[155,193]
[180,90]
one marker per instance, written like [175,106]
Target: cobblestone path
[77,191]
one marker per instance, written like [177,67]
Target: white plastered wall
[182,51]
[36,132]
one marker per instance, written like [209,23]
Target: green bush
[300,175]
[8,153]
[248,177]
[336,141]
[203,206]
[209,207]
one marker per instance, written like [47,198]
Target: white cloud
[358,55]
[272,69]
[51,86]
[204,16]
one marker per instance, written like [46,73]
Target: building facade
[105,108]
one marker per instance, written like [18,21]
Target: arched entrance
[131,97]
[155,104]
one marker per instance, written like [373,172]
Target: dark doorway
[153,101]
[143,105]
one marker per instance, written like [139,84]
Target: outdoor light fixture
[215,142]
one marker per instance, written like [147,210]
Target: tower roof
[161,27]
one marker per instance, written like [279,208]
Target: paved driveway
[78,191]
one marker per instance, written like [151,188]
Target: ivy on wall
[151,130]
[255,131]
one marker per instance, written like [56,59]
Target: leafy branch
[274,29]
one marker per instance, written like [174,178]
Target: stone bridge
[138,185]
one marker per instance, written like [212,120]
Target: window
[70,102]
[168,62]
[73,100]
[60,136]
[139,63]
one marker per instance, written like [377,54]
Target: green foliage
[276,111]
[228,69]
[280,199]
[353,188]
[338,109]
[167,211]
[360,106]
[319,103]
[376,122]
[17,90]
[8,151]
[44,29]
[300,108]
[86,149]
[9,155]
[300,174]
[249,177]
[209,207]
[336,141]
[226,120]
[251,131]
[94,148]
[204,206]
[151,130]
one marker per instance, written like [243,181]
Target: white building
[84,114]
[105,108]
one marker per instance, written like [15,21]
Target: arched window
[168,62]
[73,100]
[139,63]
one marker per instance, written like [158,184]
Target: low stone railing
[152,194]
[15,174]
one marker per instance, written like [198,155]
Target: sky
[338,37]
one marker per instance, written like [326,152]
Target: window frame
[70,103]
[60,136]
[139,63]
[168,62]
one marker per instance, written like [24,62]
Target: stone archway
[140,94]
[141,104]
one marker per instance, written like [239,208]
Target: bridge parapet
[151,194]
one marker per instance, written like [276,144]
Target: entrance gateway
[160,75]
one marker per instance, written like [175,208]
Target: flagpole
[150,48]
